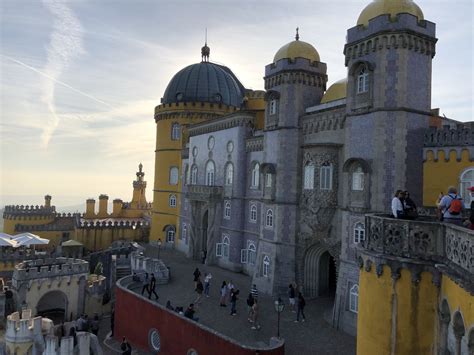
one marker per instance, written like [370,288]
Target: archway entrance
[53,305]
[205,226]
[320,275]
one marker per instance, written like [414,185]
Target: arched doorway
[320,275]
[53,305]
[205,225]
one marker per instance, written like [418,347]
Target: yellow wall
[9,223]
[458,300]
[101,238]
[413,306]
[439,175]
[168,154]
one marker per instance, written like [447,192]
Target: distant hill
[71,209]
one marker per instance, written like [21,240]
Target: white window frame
[358,179]
[466,181]
[243,256]
[229,174]
[354,298]
[253,213]
[256,176]
[225,246]
[325,177]
[174,175]
[210,173]
[219,250]
[359,232]
[184,235]
[170,235]
[252,253]
[172,200]
[268,179]
[273,106]
[175,131]
[227,209]
[309,170]
[363,81]
[265,266]
[194,174]
[269,218]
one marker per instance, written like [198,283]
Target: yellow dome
[297,49]
[336,91]
[388,7]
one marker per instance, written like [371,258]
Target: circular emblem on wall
[211,142]
[195,151]
[179,96]
[155,340]
[230,146]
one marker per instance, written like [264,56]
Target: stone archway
[319,272]
[53,305]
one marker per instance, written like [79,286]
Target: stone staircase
[122,271]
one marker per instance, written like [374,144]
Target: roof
[297,49]
[336,91]
[388,7]
[72,243]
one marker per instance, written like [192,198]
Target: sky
[79,79]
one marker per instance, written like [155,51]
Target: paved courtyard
[315,336]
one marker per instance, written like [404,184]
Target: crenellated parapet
[140,263]
[196,110]
[421,245]
[20,211]
[402,31]
[48,269]
[447,136]
[134,224]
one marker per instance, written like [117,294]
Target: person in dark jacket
[301,305]
[152,287]
[189,313]
[126,347]
[233,301]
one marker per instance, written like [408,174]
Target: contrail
[57,81]
[65,43]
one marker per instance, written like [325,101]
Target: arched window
[354,299]
[309,176]
[174,175]
[273,106]
[225,246]
[172,200]
[252,253]
[184,235]
[227,210]
[229,174]
[253,213]
[210,173]
[256,176]
[268,179]
[266,266]
[359,233]
[170,232]
[467,180]
[362,81]
[194,174]
[175,131]
[358,179]
[269,219]
[325,173]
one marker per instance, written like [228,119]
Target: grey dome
[205,82]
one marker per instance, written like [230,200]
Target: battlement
[302,65]
[28,210]
[385,23]
[134,224]
[186,106]
[49,268]
[140,263]
[462,135]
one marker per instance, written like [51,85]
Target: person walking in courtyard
[196,274]
[230,286]
[152,287]
[250,302]
[223,294]
[233,301]
[203,256]
[291,297]
[146,284]
[256,324]
[199,290]
[254,292]
[301,305]
[207,283]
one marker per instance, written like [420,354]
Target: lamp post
[279,307]
[159,247]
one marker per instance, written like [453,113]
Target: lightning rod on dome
[205,51]
[297,37]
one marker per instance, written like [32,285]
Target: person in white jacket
[397,205]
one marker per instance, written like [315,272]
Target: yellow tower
[197,93]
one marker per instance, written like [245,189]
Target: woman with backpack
[451,207]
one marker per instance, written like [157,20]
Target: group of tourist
[450,207]
[149,284]
[84,324]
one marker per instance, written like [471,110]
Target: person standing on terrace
[451,207]
[397,205]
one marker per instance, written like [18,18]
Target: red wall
[135,316]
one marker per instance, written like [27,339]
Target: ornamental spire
[205,51]
[297,37]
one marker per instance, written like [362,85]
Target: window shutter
[219,249]
[243,256]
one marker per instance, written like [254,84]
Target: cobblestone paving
[314,337]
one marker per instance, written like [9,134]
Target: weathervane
[205,51]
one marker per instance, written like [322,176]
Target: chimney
[118,203]
[90,208]
[47,201]
[103,201]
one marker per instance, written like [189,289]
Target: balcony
[204,193]
[421,240]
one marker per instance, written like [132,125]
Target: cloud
[65,44]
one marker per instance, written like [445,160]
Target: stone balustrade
[254,144]
[140,263]
[204,192]
[421,240]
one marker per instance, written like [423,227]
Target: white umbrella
[4,242]
[28,239]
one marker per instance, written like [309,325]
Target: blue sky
[80,78]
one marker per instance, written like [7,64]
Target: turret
[103,201]
[139,189]
[117,207]
[47,201]
[90,208]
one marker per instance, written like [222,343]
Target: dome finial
[297,37]
[205,51]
